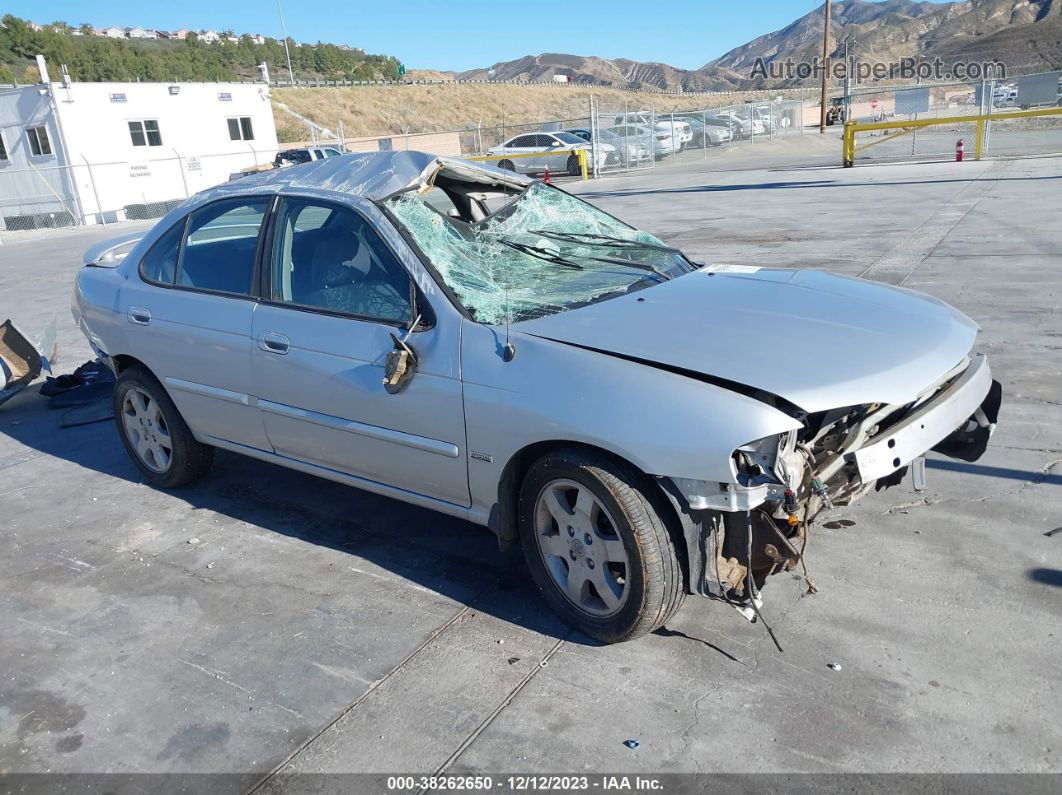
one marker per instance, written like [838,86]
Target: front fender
[663,423]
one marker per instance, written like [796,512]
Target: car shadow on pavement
[795,185]
[446,555]
[1046,576]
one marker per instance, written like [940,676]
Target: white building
[258,38]
[141,33]
[112,33]
[99,152]
[209,36]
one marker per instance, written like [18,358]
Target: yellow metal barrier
[904,127]
[579,153]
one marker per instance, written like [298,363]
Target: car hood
[817,340]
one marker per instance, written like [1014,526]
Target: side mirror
[400,367]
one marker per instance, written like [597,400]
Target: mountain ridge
[1026,35]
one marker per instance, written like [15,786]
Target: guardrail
[909,126]
[579,153]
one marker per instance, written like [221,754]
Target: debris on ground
[85,393]
[834,666]
[22,360]
[632,744]
[193,540]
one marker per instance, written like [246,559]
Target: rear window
[160,263]
[221,244]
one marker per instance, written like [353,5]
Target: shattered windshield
[543,253]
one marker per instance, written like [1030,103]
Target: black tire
[189,459]
[654,574]
[507,165]
[573,167]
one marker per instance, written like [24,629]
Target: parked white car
[677,128]
[742,126]
[661,142]
[556,151]
[627,150]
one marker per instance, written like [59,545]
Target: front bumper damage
[738,534]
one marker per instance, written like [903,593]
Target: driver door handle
[271,342]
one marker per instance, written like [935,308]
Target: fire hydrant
[960,150]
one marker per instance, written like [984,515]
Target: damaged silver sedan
[465,339]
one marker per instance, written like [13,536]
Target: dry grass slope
[388,110]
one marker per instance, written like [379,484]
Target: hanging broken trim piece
[21,361]
[543,252]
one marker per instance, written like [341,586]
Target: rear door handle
[139,315]
[271,342]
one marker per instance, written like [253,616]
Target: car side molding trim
[209,391]
[445,449]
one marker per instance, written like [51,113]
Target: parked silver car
[462,338]
[534,153]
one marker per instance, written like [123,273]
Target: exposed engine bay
[787,483]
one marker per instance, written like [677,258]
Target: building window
[240,129]
[3,148]
[38,139]
[145,133]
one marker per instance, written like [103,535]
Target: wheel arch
[504,514]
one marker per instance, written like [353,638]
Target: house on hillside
[112,33]
[181,34]
[92,152]
[141,33]
[258,38]
[209,36]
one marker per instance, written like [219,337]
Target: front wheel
[597,545]
[154,434]
[507,165]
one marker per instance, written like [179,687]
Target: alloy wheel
[581,548]
[146,430]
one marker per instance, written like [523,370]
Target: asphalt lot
[315,628]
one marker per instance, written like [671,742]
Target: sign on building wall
[117,97]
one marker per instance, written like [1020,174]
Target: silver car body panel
[644,376]
[927,425]
[817,340]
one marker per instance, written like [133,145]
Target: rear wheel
[573,166]
[155,435]
[507,165]
[597,545]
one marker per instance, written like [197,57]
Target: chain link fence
[908,106]
[107,192]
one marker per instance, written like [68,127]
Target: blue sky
[464,34]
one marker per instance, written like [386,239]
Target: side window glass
[160,262]
[340,266]
[220,246]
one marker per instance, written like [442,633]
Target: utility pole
[825,67]
[287,52]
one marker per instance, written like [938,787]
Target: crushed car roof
[372,175]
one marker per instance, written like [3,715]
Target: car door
[555,153]
[334,296]
[523,145]
[189,311]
